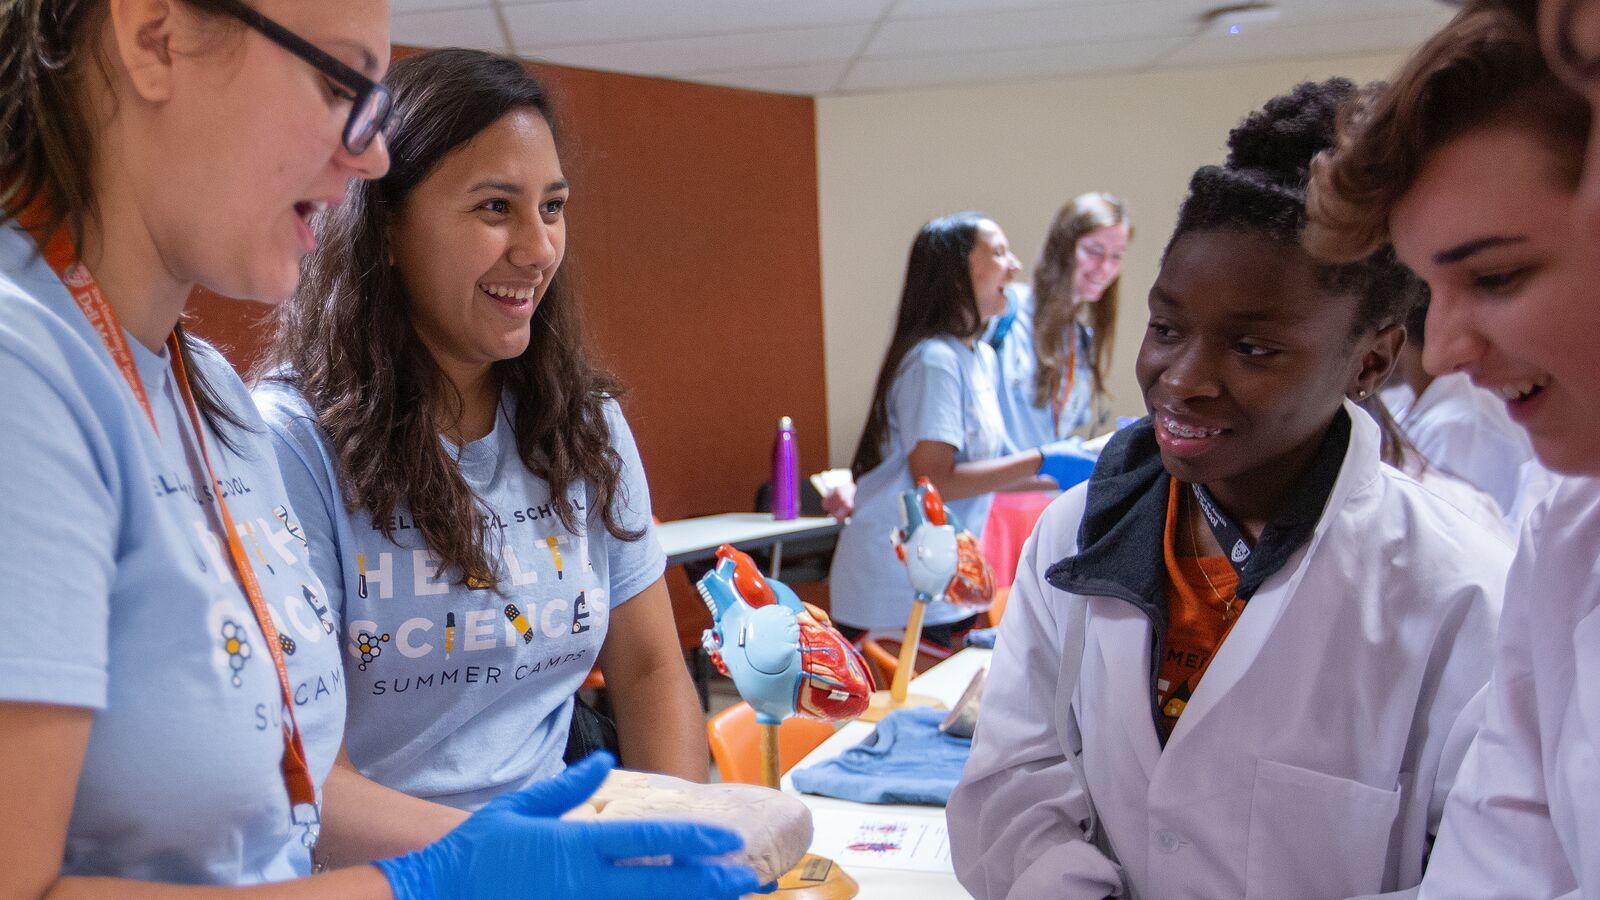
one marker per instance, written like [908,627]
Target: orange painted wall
[693,229]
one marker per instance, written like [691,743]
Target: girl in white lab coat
[1471,163]
[1232,662]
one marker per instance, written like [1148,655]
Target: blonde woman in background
[1053,342]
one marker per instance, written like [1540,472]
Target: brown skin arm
[659,721]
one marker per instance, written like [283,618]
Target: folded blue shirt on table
[905,760]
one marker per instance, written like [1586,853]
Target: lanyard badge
[62,257]
[1229,536]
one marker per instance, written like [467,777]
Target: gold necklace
[1194,548]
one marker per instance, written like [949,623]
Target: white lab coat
[1466,431]
[1524,820]
[1314,757]
[1478,506]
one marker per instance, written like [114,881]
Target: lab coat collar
[1125,512]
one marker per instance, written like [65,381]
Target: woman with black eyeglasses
[171,696]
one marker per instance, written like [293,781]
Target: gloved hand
[1066,462]
[516,846]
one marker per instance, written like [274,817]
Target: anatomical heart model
[786,659]
[944,563]
[784,656]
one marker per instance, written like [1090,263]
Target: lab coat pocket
[1314,835]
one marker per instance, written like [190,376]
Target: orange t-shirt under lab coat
[1201,610]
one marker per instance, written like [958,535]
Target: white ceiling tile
[555,24]
[802,46]
[1058,25]
[922,9]
[1354,10]
[401,7]
[672,56]
[1296,40]
[910,72]
[818,78]
[476,27]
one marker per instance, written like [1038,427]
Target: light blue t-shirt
[122,600]
[943,391]
[459,695]
[1029,426]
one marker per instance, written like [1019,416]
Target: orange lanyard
[63,258]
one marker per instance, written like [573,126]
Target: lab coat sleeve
[1020,821]
[1496,839]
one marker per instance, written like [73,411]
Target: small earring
[1361,395]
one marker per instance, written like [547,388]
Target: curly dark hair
[1262,189]
[347,343]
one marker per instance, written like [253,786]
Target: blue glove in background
[516,846]
[1067,462]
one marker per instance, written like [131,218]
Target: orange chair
[883,654]
[736,742]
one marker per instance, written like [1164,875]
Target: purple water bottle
[785,472]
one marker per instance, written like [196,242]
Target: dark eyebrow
[1290,316]
[506,187]
[490,184]
[1462,251]
[1287,317]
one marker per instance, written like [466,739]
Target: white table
[687,540]
[945,681]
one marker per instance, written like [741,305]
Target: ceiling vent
[1238,18]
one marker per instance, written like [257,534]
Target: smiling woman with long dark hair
[478,506]
[934,414]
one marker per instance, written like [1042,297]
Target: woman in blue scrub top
[1053,343]
[170,694]
[934,415]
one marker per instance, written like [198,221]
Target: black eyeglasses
[371,102]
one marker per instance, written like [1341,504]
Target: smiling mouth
[1526,390]
[509,294]
[1180,430]
[305,209]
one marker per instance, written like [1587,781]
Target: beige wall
[889,162]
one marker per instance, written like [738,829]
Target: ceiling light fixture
[1237,18]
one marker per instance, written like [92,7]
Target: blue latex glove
[1066,462]
[516,846]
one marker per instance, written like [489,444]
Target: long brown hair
[48,48]
[1393,445]
[936,299]
[347,343]
[1055,308]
